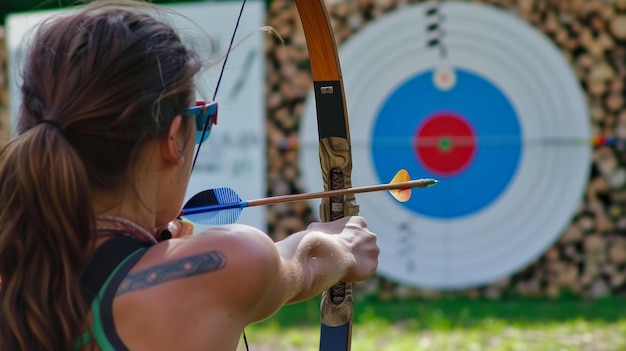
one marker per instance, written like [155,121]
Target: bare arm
[326,253]
[311,261]
[229,277]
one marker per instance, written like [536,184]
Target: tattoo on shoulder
[182,268]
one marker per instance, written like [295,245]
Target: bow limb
[335,158]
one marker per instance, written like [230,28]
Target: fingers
[186,228]
[335,227]
[175,229]
[358,241]
[364,248]
[356,222]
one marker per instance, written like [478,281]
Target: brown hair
[107,77]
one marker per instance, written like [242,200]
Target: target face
[499,119]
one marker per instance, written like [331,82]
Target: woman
[101,160]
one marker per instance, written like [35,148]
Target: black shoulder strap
[104,261]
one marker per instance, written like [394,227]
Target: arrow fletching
[402,195]
[214,206]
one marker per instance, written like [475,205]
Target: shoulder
[236,246]
[224,263]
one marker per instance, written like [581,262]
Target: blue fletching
[214,207]
[217,218]
[226,195]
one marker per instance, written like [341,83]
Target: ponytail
[46,232]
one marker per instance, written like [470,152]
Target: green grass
[456,324]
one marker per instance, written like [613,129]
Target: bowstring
[206,124]
[219,80]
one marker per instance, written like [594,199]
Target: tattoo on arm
[182,268]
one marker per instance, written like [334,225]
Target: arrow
[223,205]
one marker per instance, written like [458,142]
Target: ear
[172,146]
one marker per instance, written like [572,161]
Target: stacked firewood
[589,259]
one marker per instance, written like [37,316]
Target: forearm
[315,261]
[309,262]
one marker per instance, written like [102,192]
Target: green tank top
[105,272]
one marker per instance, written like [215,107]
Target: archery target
[499,119]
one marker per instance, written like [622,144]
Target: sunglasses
[206,116]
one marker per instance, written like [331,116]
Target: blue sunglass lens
[201,120]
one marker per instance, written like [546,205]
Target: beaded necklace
[123,224]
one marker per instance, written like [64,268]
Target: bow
[335,158]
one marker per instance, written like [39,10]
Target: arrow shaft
[418,183]
[214,208]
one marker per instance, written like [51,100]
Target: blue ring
[498,151]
